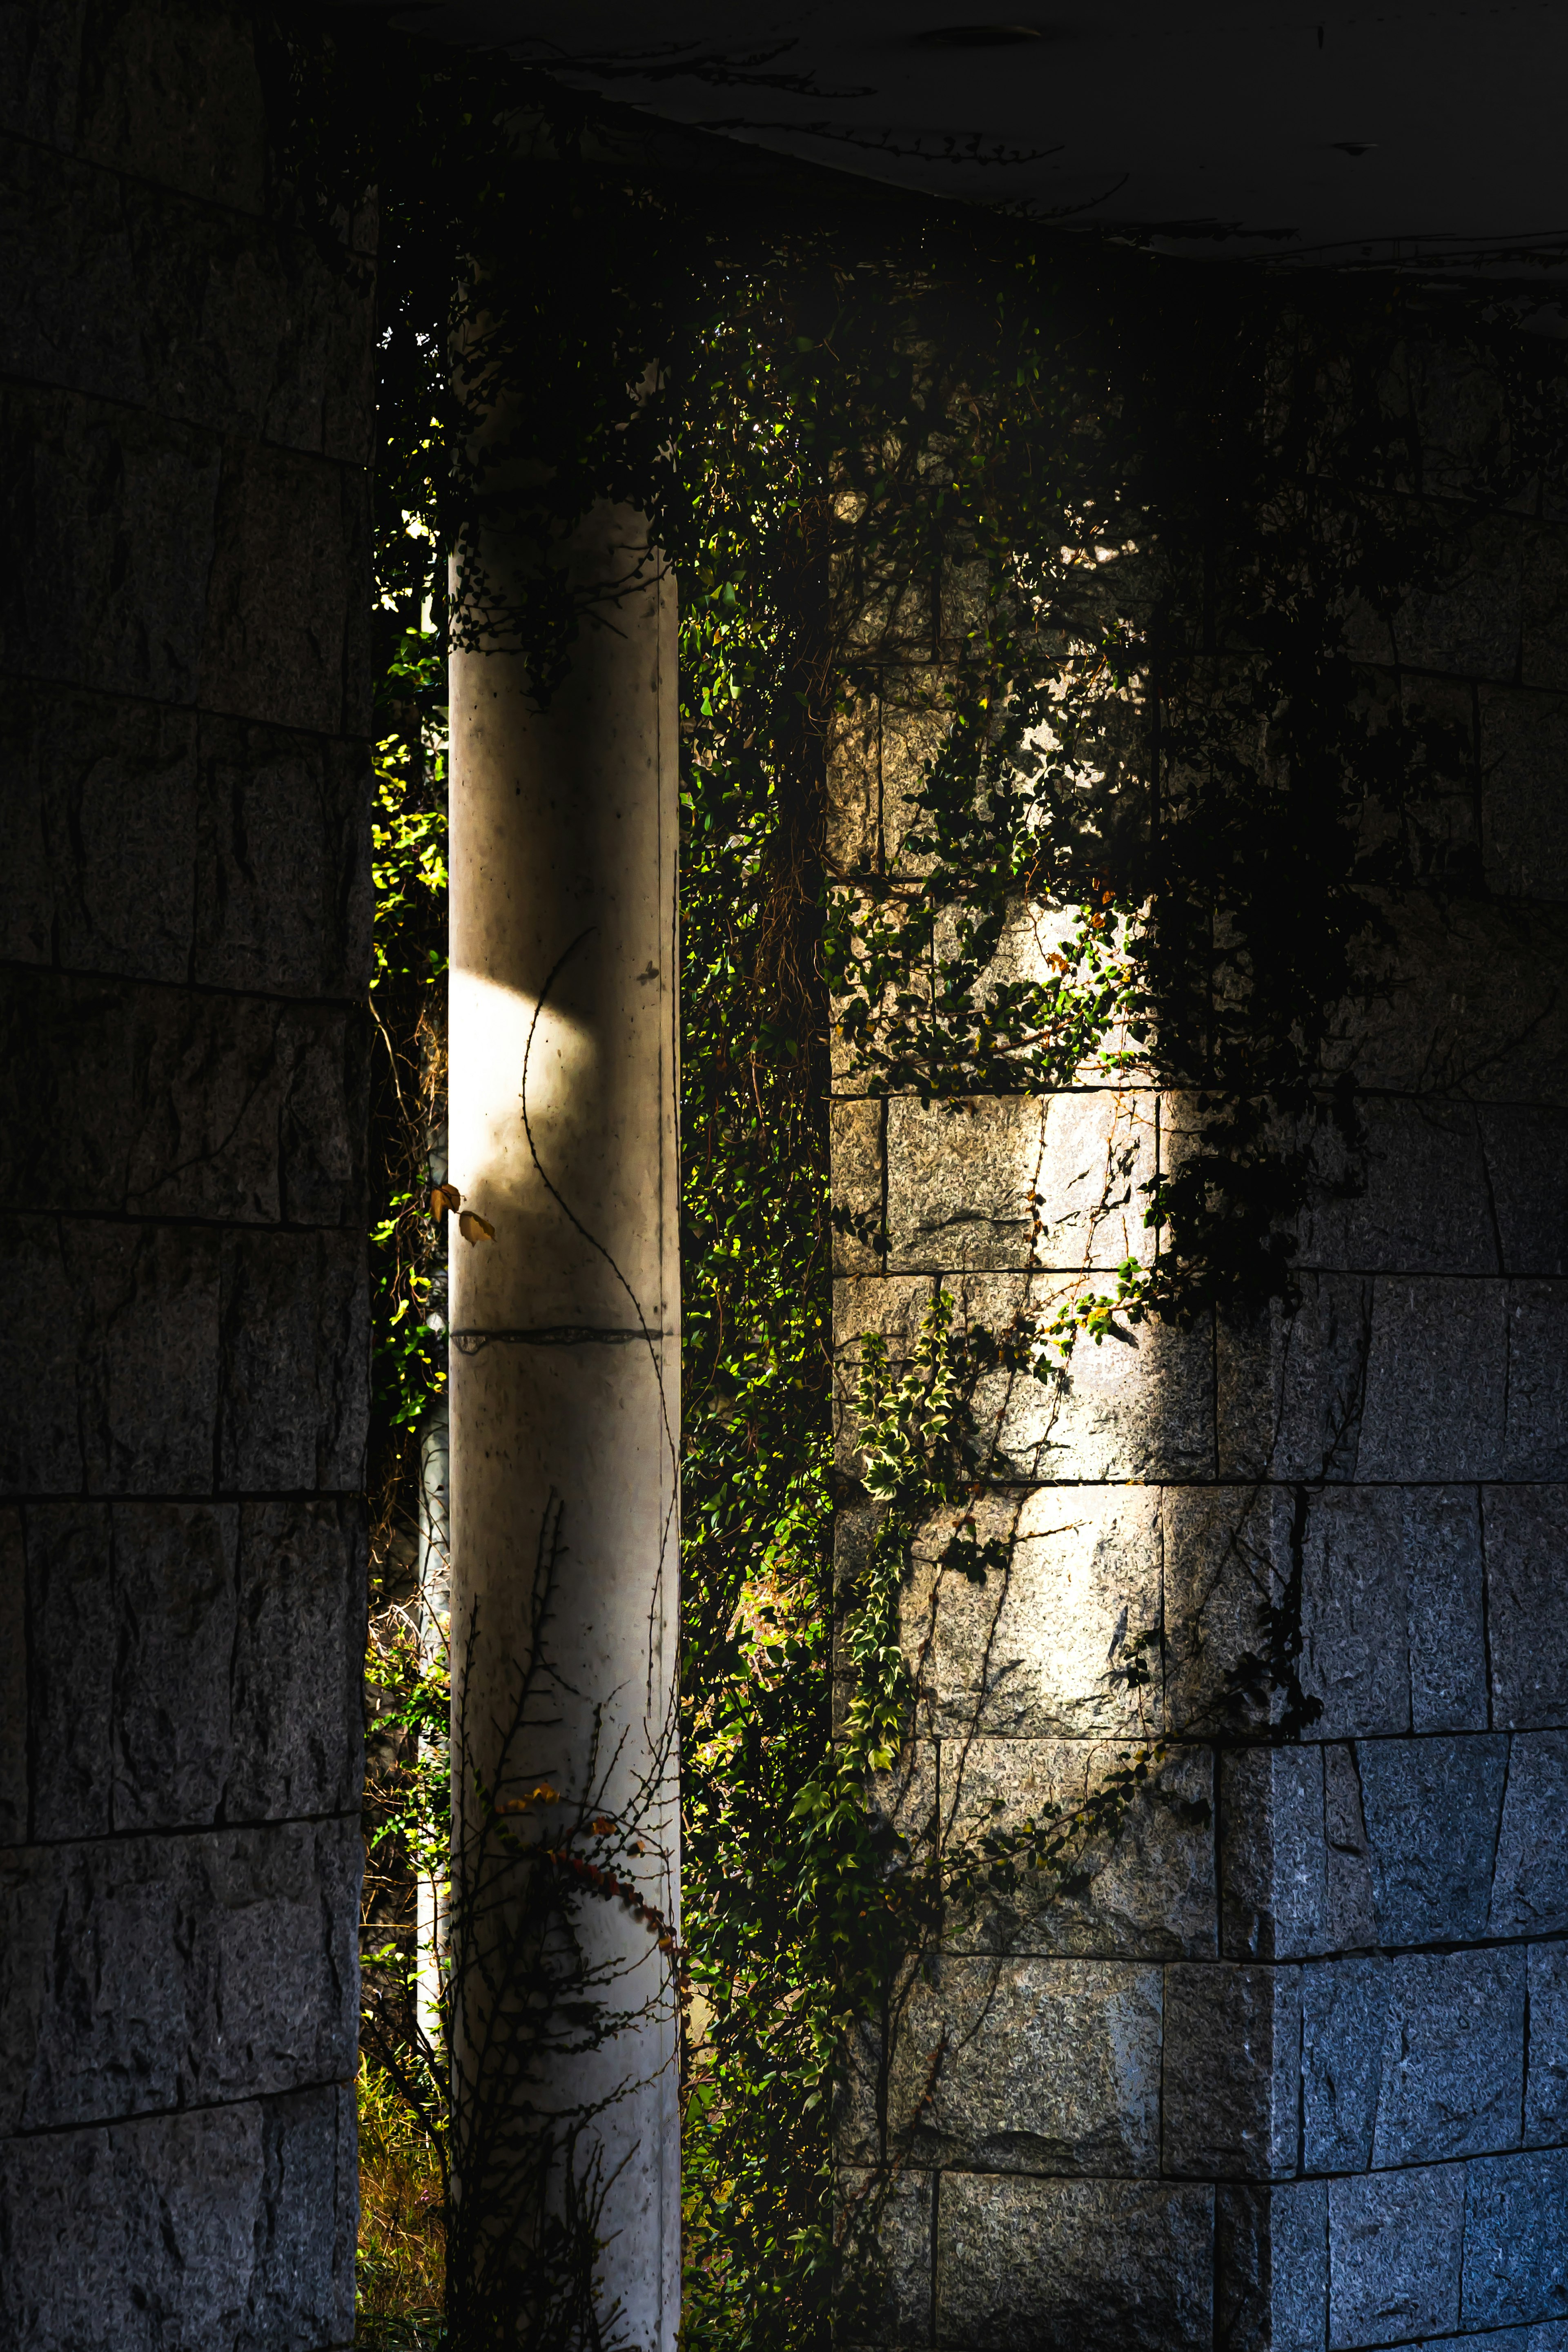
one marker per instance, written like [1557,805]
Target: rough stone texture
[1323,1551]
[184,422]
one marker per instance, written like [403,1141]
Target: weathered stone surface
[1395,2243]
[71,1666]
[295,1324]
[1530,1884]
[1419,1202]
[1535,1442]
[1233,2040]
[888,2293]
[1465,622]
[1432,1810]
[1543,661]
[141,1974]
[1344,2016]
[855,1145]
[191,1661]
[1527,1164]
[297,1660]
[176,1615]
[854,787]
[283,885]
[1348,1877]
[1029,2066]
[1227,1565]
[1052,2265]
[1353,1611]
[139,66]
[12,1680]
[993,1182]
[1546,2080]
[1141,1888]
[1516,2239]
[1291,1387]
[159,1102]
[1527,1596]
[1460,1005]
[279,594]
[1044,1646]
[1271,2268]
[1273,1892]
[1453,2057]
[147,1318]
[1525,758]
[913,733]
[231,2226]
[202,316]
[1444,1577]
[111,514]
[1438,1376]
[1138,1407]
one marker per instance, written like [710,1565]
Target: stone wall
[1290,2073]
[184,406]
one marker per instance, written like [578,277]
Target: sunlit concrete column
[565,1390]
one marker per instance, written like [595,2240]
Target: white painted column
[565,1384]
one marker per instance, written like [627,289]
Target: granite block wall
[1286,2068]
[185,400]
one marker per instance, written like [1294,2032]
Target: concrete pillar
[565,1390]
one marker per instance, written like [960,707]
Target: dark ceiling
[1425,133]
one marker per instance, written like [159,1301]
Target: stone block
[278,597]
[40,1450]
[1140,1883]
[1272,1855]
[1438,1374]
[1546,2078]
[1516,2239]
[297,1717]
[1271,2268]
[112,515]
[70,1661]
[1291,1387]
[1344,2021]
[147,1317]
[1353,1611]
[99,800]
[915,727]
[1138,1406]
[1445,1577]
[1227,1576]
[175,1622]
[1394,2241]
[854,787]
[1543,660]
[294,1351]
[1016,1182]
[855,1146]
[1413,1198]
[145,1974]
[1432,1809]
[887,2295]
[1524,792]
[1026,2264]
[1028,2065]
[14,1662]
[230,2225]
[1042,1646]
[1452,2079]
[1530,1881]
[1457,1001]
[283,884]
[193,1660]
[1463,617]
[139,66]
[891,1308]
[1535,1441]
[1527,1165]
[1347,1876]
[1233,2041]
[1526,1604]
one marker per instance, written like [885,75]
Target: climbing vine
[1124,536]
